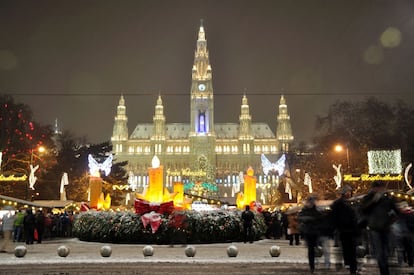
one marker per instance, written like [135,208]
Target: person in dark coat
[380,211]
[403,234]
[310,219]
[346,224]
[29,222]
[40,225]
[247,217]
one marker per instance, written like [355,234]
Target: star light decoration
[95,167]
[384,162]
[278,166]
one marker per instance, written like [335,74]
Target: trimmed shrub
[192,227]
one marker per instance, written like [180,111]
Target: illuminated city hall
[216,154]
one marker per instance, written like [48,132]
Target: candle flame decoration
[156,193]
[155,162]
[249,194]
[96,196]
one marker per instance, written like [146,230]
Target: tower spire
[159,120]
[284,128]
[120,130]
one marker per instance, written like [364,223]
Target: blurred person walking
[346,224]
[380,211]
[310,219]
[7,224]
[403,230]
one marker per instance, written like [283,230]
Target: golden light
[155,162]
[41,149]
[338,148]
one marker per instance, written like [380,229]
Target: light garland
[278,166]
[384,162]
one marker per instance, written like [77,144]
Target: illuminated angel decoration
[308,181]
[288,188]
[64,181]
[127,198]
[406,173]
[95,167]
[235,188]
[338,176]
[32,177]
[278,166]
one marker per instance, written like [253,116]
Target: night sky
[71,60]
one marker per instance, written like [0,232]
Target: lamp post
[32,177]
[40,149]
[339,148]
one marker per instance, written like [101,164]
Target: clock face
[201,87]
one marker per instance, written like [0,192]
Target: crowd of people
[25,226]
[377,225]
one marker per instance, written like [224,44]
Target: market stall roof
[25,202]
[53,203]
[39,203]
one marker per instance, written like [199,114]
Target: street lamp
[32,177]
[40,149]
[339,148]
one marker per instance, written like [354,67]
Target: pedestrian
[402,231]
[326,235]
[346,224]
[267,216]
[293,228]
[247,217]
[379,211]
[18,226]
[40,225]
[29,226]
[310,219]
[7,224]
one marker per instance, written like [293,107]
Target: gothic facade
[221,151]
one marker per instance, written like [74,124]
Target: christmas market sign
[371,177]
[186,173]
[13,178]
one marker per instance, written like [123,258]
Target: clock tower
[202,136]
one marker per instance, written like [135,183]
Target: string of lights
[216,93]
